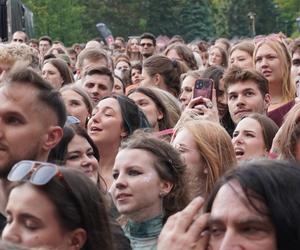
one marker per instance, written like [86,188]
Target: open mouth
[239,153]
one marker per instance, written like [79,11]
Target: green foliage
[75,20]
[196,21]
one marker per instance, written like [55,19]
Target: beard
[7,166]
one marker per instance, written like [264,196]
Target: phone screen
[203,87]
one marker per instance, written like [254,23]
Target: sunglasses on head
[37,173]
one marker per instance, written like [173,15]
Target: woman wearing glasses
[55,208]
[273,60]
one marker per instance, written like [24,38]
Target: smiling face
[32,220]
[235,224]
[106,123]
[134,175]
[80,155]
[248,140]
[245,98]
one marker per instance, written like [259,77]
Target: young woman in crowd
[253,137]
[164,73]
[217,56]
[78,103]
[77,150]
[148,187]
[241,54]
[57,72]
[187,86]
[286,143]
[113,119]
[273,60]
[207,151]
[54,207]
[119,86]
[123,68]
[133,50]
[182,53]
[153,107]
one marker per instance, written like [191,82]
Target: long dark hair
[275,184]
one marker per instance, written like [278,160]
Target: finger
[202,243]
[187,215]
[195,101]
[199,225]
[214,97]
[169,225]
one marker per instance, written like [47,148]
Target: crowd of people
[112,147]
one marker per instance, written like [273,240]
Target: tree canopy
[75,20]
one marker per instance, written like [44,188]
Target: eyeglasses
[37,173]
[146,44]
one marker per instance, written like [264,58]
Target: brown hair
[170,70]
[290,134]
[101,71]
[244,45]
[63,69]
[185,53]
[268,127]
[235,74]
[91,54]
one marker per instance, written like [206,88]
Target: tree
[58,19]
[197,21]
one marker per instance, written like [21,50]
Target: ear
[165,187]
[267,101]
[52,138]
[157,79]
[77,239]
[160,115]
[124,133]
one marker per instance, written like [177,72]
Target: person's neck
[107,161]
[276,93]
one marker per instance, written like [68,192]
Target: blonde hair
[214,147]
[289,134]
[288,89]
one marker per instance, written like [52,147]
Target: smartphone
[203,87]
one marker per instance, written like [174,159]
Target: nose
[240,101]
[11,234]
[231,241]
[238,139]
[182,97]
[120,182]
[87,162]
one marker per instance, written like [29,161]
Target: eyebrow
[247,220]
